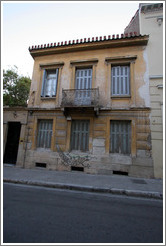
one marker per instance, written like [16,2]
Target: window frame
[83,64]
[48,131]
[45,81]
[50,67]
[124,116]
[122,61]
[78,77]
[35,131]
[68,132]
[80,135]
[114,136]
[128,81]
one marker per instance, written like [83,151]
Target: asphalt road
[42,215]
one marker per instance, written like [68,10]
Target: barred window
[44,133]
[120,80]
[120,137]
[49,84]
[80,135]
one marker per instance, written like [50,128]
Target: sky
[30,23]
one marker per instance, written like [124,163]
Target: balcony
[80,98]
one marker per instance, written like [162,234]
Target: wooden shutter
[83,78]
[80,135]
[120,137]
[120,80]
[44,134]
[43,83]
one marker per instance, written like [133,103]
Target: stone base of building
[141,167]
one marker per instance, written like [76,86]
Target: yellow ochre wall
[134,108]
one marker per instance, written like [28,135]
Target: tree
[15,88]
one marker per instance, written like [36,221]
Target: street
[42,215]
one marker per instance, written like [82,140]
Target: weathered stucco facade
[149,20]
[113,127]
[100,56]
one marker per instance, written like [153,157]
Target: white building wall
[151,23]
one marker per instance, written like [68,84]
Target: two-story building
[91,97]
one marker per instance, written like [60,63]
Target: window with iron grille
[120,80]
[49,84]
[80,135]
[44,133]
[120,137]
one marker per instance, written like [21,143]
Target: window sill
[123,96]
[48,98]
[40,149]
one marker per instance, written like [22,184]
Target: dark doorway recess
[12,143]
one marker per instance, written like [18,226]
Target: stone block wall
[138,164]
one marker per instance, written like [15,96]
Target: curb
[133,193]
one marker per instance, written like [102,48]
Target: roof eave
[113,43]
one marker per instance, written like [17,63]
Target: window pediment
[51,65]
[121,59]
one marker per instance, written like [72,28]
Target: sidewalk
[114,184]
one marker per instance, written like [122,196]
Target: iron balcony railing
[80,98]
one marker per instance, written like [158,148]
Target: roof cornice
[125,40]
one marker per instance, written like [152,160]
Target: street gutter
[132,193]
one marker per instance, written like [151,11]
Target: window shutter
[120,80]
[80,135]
[56,82]
[44,134]
[83,79]
[43,83]
[120,137]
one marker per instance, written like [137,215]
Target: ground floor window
[120,137]
[44,133]
[80,135]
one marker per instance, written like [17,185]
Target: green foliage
[15,88]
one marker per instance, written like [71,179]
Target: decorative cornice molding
[125,40]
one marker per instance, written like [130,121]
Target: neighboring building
[14,141]
[149,20]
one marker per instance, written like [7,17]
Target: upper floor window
[120,80]
[49,85]
[83,78]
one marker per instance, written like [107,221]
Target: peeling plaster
[144,90]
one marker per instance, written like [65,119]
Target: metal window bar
[44,133]
[120,137]
[80,135]
[120,80]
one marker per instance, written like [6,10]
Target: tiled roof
[84,41]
